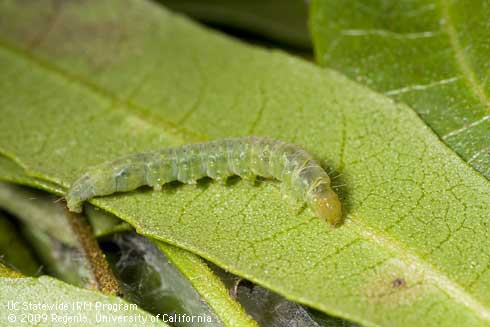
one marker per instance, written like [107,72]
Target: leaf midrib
[181,134]
[454,290]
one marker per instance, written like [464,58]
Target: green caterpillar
[246,157]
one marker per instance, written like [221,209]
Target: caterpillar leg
[251,178]
[300,208]
[296,204]
[222,180]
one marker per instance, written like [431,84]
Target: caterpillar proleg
[246,157]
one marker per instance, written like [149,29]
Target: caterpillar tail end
[80,191]
[73,205]
[75,197]
[328,208]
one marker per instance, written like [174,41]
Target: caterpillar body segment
[246,157]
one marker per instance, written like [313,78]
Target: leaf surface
[432,55]
[137,78]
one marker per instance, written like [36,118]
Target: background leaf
[137,78]
[282,21]
[432,55]
[14,251]
[62,241]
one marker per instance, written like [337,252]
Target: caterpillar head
[327,207]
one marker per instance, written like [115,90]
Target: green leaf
[432,55]
[115,77]
[279,20]
[54,303]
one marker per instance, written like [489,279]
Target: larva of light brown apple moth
[246,157]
